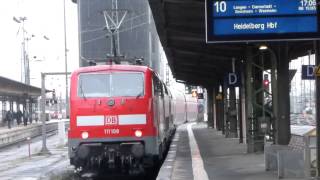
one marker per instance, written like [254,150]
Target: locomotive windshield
[111,85]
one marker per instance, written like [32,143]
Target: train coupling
[111,158]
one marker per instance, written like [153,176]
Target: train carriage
[120,118]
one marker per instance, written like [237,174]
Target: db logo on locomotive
[111,120]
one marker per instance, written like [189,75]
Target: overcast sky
[44,17]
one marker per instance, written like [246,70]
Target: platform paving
[223,158]
[16,164]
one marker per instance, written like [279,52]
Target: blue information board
[261,20]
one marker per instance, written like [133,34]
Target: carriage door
[158,107]
[166,108]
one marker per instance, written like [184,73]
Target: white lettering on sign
[255,26]
[111,131]
[248,26]
[310,71]
[232,77]
[272,25]
[111,120]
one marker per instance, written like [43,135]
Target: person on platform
[19,116]
[25,117]
[9,118]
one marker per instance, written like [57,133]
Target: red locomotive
[121,118]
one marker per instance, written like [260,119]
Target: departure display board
[261,20]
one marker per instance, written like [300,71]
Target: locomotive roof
[113,67]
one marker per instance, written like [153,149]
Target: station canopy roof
[181,28]
[11,88]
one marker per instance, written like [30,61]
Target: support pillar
[4,111]
[36,110]
[10,123]
[225,128]
[17,105]
[220,114]
[44,150]
[17,109]
[24,106]
[11,105]
[233,113]
[242,105]
[274,86]
[249,106]
[283,122]
[30,111]
[215,108]
[316,45]
[210,107]
[242,111]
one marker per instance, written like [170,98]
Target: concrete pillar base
[44,152]
[232,135]
[256,146]
[209,124]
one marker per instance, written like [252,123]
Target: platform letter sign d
[233,79]
[308,72]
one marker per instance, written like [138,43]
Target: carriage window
[157,86]
[111,85]
[165,89]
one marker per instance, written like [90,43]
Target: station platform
[202,153]
[21,133]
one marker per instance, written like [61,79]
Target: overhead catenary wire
[124,21]
[109,34]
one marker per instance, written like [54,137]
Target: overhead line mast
[114,18]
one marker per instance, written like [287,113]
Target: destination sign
[265,25]
[261,20]
[263,7]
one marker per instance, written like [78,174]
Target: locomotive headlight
[138,133]
[84,135]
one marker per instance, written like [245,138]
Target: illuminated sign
[261,20]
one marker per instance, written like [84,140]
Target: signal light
[138,133]
[266,83]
